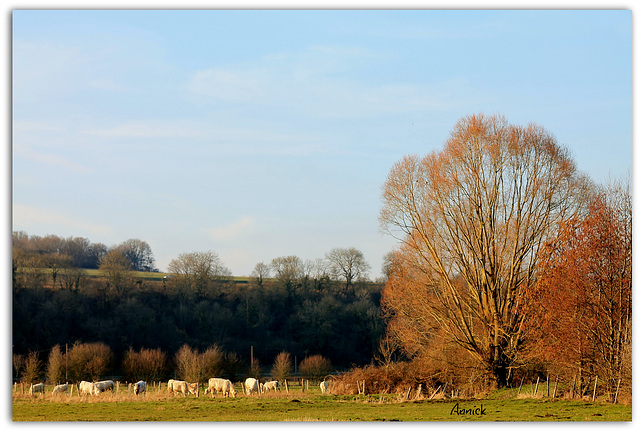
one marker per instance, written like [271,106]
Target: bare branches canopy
[471,219]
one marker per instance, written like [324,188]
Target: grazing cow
[103,386]
[251,386]
[60,389]
[221,385]
[139,387]
[87,388]
[324,386]
[36,388]
[183,387]
[271,385]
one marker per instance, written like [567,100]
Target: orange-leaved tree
[580,312]
[471,219]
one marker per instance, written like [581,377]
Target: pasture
[310,405]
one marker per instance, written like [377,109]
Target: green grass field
[307,406]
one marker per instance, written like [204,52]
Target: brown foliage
[471,219]
[315,367]
[88,361]
[146,364]
[282,366]
[55,366]
[580,311]
[193,366]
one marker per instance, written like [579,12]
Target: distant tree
[317,271]
[197,270]
[32,368]
[83,253]
[88,361]
[315,367]
[186,361]
[56,262]
[232,365]
[55,366]
[139,254]
[18,366]
[471,219]
[260,272]
[116,268]
[288,271]
[146,364]
[282,367]
[348,264]
[212,362]
[72,278]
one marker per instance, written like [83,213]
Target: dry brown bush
[315,367]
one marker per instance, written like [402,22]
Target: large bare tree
[197,270]
[348,264]
[471,219]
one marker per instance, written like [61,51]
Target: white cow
[324,386]
[103,386]
[60,389]
[183,387]
[36,388]
[221,385]
[271,385]
[87,388]
[140,387]
[251,386]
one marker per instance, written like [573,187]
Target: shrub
[55,366]
[88,361]
[282,366]
[315,367]
[188,366]
[32,368]
[212,362]
[146,364]
[232,366]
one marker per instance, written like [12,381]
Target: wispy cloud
[51,221]
[232,231]
[52,159]
[315,82]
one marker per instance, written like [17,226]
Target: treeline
[52,251]
[286,306]
[96,361]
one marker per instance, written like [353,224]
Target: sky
[265,133]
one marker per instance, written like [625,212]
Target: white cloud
[45,220]
[232,231]
[51,159]
[320,82]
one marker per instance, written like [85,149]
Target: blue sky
[259,134]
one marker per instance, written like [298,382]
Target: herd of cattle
[216,385]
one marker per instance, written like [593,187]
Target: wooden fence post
[547,385]
[535,393]
[408,393]
[521,382]
[595,386]
[555,387]
[615,399]
[435,392]
[417,395]
[286,386]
